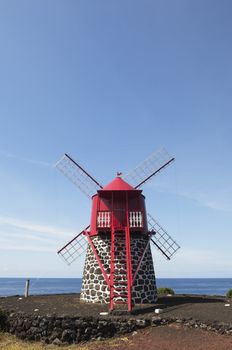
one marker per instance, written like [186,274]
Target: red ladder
[120,270]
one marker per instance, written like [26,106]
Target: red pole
[128,258]
[112,256]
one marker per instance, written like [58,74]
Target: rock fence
[3,320]
[217,327]
[59,330]
[67,330]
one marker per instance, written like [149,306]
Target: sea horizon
[67,285]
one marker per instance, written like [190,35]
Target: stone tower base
[94,287]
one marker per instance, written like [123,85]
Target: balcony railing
[104,219]
[136,219]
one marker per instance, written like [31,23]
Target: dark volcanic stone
[68,336]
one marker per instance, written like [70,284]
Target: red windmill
[118,266]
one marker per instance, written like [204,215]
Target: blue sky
[109,82]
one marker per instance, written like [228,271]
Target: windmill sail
[75,248]
[148,168]
[161,239]
[75,173]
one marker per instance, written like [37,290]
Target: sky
[109,82]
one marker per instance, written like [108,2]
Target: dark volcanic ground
[171,337]
[203,308]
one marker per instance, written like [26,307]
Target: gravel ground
[201,308]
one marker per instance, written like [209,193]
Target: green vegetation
[165,290]
[229,294]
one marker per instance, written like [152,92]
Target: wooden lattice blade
[76,174]
[161,239]
[148,168]
[75,248]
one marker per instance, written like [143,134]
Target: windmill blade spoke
[148,168]
[161,239]
[75,248]
[75,173]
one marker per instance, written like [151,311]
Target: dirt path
[170,337]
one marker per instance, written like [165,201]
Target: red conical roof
[118,184]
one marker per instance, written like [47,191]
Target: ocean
[206,286]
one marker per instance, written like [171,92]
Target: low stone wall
[217,327]
[3,320]
[67,330]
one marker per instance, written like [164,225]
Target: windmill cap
[118,184]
